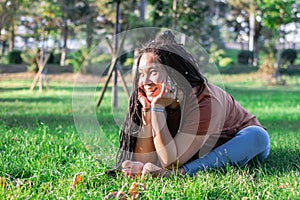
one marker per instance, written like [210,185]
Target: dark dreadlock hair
[182,68]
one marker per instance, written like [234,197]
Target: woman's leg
[247,143]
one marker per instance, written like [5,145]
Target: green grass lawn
[41,150]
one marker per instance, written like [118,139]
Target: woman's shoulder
[208,89]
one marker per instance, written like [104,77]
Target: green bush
[51,58]
[125,56]
[245,57]
[75,59]
[56,59]
[14,57]
[237,68]
[218,56]
[224,62]
[128,62]
[3,59]
[28,57]
[289,55]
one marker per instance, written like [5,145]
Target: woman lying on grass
[178,122]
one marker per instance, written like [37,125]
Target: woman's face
[151,75]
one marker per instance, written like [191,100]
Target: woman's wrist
[146,109]
[158,109]
[146,116]
[155,105]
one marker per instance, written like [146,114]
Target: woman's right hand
[143,99]
[146,107]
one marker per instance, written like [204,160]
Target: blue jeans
[250,142]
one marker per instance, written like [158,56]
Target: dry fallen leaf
[135,188]
[133,192]
[284,185]
[76,179]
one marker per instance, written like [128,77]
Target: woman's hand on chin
[143,99]
[165,98]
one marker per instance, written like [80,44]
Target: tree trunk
[277,73]
[89,32]
[174,15]
[115,102]
[64,49]
[252,29]
[1,42]
[143,9]
[12,37]
[255,52]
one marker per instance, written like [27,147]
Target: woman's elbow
[169,162]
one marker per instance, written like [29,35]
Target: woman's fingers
[166,96]
[143,99]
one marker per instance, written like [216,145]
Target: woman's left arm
[173,152]
[198,122]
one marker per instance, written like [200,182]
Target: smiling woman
[177,121]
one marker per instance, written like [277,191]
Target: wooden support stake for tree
[41,67]
[111,70]
[125,88]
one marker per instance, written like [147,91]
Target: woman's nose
[145,79]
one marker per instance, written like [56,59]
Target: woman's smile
[151,90]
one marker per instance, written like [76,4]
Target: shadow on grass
[50,120]
[279,125]
[36,89]
[271,91]
[37,100]
[33,122]
[13,89]
[283,160]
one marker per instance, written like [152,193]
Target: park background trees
[70,29]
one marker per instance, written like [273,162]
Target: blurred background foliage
[239,35]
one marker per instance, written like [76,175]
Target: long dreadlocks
[181,65]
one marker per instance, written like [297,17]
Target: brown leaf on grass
[76,179]
[44,157]
[135,188]
[284,185]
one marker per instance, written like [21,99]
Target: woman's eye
[153,72]
[141,74]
